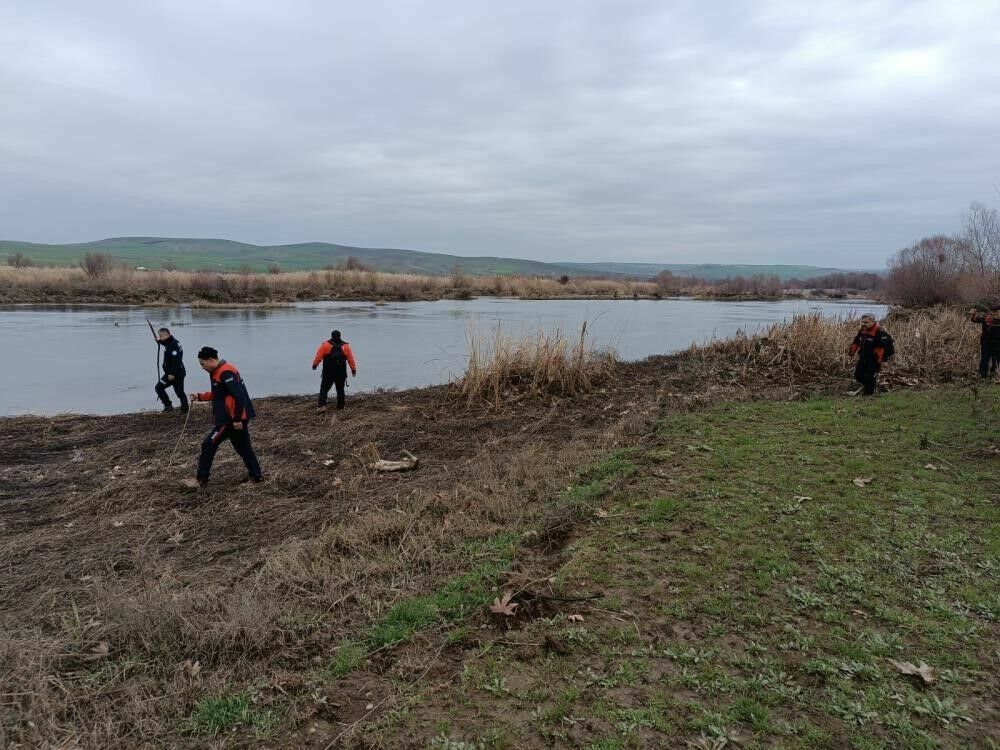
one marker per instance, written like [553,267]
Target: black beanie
[335,335]
[207,352]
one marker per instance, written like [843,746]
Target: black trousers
[241,443]
[325,383]
[177,384]
[988,360]
[866,372]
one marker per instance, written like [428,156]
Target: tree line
[943,269]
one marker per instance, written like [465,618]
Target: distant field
[216,254]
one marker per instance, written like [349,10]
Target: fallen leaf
[923,671]
[801,498]
[575,618]
[70,525]
[369,707]
[192,668]
[601,513]
[932,467]
[862,481]
[99,651]
[329,462]
[117,524]
[504,606]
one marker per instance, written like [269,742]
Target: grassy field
[753,595]
[217,254]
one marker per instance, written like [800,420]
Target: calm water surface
[101,360]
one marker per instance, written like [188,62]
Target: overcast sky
[818,132]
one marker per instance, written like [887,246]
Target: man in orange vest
[336,356]
[873,346]
[232,410]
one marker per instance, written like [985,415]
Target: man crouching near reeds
[873,346]
[232,410]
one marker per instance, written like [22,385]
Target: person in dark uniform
[989,341]
[336,356]
[232,411]
[873,346]
[173,371]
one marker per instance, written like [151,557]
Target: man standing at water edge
[173,370]
[873,347]
[336,355]
[232,410]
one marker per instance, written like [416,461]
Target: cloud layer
[821,132]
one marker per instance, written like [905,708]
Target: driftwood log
[405,464]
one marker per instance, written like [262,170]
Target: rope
[179,438]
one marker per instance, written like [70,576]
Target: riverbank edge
[118,298]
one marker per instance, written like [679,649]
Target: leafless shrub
[97,265]
[19,260]
[926,273]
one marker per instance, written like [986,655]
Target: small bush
[97,265]
[19,260]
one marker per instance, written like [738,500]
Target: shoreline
[114,300]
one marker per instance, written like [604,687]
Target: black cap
[207,352]
[335,335]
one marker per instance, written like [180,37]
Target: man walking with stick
[173,370]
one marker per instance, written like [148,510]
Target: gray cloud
[636,130]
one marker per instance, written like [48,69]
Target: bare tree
[927,272]
[19,260]
[97,265]
[980,247]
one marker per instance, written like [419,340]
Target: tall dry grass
[126,284]
[546,363]
[934,345]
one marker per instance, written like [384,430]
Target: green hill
[218,254]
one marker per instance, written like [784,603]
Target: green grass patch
[224,712]
[752,595]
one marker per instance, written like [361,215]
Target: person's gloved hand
[238,425]
[314,367]
[170,378]
[354,373]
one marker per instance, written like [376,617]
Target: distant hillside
[193,254]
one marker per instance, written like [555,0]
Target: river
[101,359]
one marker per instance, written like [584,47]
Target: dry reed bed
[547,363]
[932,346]
[127,285]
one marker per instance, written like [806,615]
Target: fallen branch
[406,464]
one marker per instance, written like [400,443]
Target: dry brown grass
[932,346]
[128,285]
[546,363]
